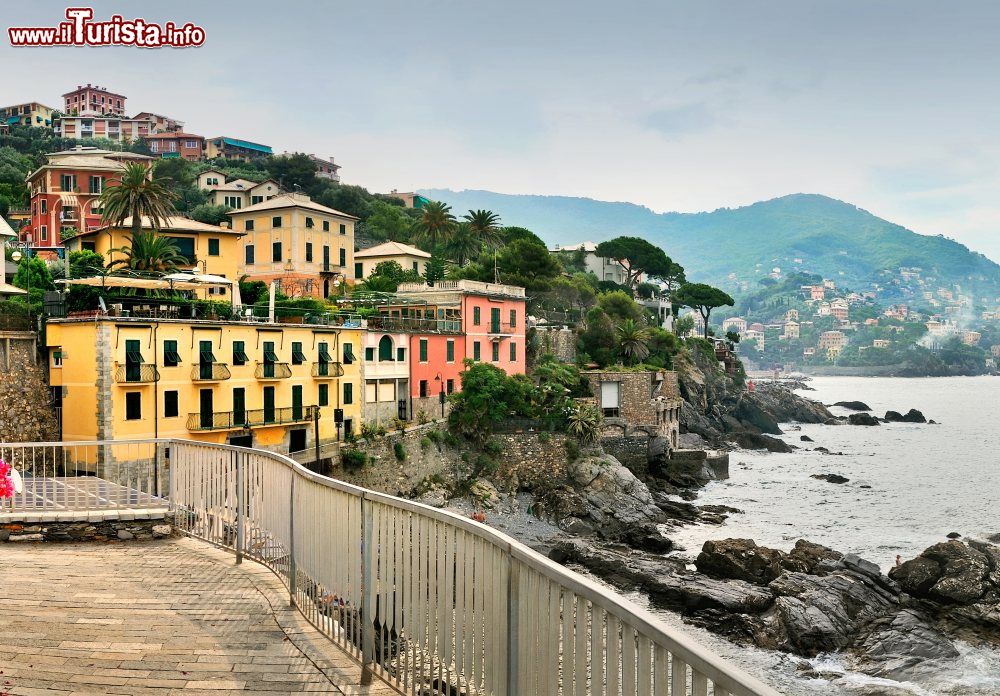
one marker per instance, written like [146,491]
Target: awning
[13,120]
[69,200]
[6,289]
[172,281]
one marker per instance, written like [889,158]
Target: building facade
[117,128]
[307,247]
[603,268]
[176,144]
[30,114]
[386,388]
[93,101]
[236,149]
[409,258]
[650,401]
[236,193]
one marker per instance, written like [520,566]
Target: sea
[909,486]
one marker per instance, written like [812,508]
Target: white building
[603,268]
[737,324]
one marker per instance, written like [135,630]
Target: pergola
[172,281]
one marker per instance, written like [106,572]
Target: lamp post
[440,382]
[16,258]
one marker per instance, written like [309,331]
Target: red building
[65,190]
[93,101]
[173,145]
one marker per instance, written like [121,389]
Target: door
[297,440]
[239,406]
[297,402]
[206,407]
[241,440]
[269,361]
[495,320]
[205,359]
[268,404]
[133,362]
[609,398]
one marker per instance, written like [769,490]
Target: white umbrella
[16,480]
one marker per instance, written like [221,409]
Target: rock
[954,535]
[739,559]
[806,555]
[862,419]
[854,405]
[893,417]
[125,535]
[645,537]
[26,537]
[485,493]
[805,438]
[949,572]
[161,530]
[903,647]
[833,421]
[831,478]
[435,497]
[756,441]
[911,416]
[612,497]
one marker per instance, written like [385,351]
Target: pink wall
[437,353]
[483,334]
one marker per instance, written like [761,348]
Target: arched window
[385,348]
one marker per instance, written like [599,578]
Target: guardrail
[250,418]
[424,599]
[136,373]
[210,372]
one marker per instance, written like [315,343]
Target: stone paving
[160,617]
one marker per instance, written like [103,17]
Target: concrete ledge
[84,515]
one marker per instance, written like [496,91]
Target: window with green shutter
[513,318]
[384,348]
[369,355]
[496,352]
[513,351]
[348,393]
[476,318]
[423,350]
[298,357]
[239,353]
[475,350]
[213,247]
[348,353]
[323,396]
[269,415]
[450,357]
[170,355]
[401,354]
[239,406]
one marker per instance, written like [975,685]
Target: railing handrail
[681,646]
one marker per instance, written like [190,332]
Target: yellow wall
[405,262]
[86,344]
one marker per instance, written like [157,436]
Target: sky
[679,106]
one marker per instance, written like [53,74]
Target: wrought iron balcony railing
[210,372]
[253,418]
[323,370]
[268,371]
[136,373]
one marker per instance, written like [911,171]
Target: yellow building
[409,258]
[30,114]
[307,247]
[236,193]
[209,249]
[243,383]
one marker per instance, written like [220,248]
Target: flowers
[6,481]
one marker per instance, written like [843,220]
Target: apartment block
[30,114]
[176,145]
[236,149]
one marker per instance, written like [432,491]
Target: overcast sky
[688,106]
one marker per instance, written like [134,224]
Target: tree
[436,224]
[684,325]
[464,243]
[637,257]
[33,273]
[211,214]
[527,264]
[292,172]
[632,339]
[136,196]
[387,276]
[703,299]
[148,251]
[484,226]
[435,269]
[85,263]
[387,221]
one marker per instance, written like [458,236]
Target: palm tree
[136,196]
[148,251]
[632,337]
[486,225]
[464,243]
[436,224]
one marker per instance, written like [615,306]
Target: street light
[16,258]
[440,382]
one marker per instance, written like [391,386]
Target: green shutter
[451,351]
[348,393]
[423,350]
[475,350]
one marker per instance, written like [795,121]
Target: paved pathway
[174,616]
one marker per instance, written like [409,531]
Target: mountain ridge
[800,231]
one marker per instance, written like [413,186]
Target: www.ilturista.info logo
[80,30]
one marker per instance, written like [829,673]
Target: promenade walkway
[174,616]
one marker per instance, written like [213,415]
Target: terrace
[391,596]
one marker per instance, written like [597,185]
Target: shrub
[369,431]
[544,437]
[572,451]
[352,459]
[493,447]
[422,417]
[399,451]
[450,439]
[398,424]
[585,424]
[435,436]
[425,443]
[484,466]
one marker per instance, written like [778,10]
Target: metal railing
[424,599]
[137,373]
[251,418]
[321,370]
[272,371]
[383,322]
[210,372]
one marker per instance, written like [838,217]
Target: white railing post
[292,569]
[513,623]
[367,611]
[240,504]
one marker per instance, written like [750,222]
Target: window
[213,247]
[326,225]
[416,267]
[348,353]
[248,254]
[450,351]
[133,361]
[57,358]
[298,357]
[496,352]
[45,233]
[45,206]
[323,395]
[191,144]
[475,351]
[297,402]
[343,257]
[309,223]
[254,200]
[513,352]
[343,229]
[233,201]
[384,348]
[348,393]
[248,225]
[451,386]
[276,221]
[513,318]
[359,270]
[309,252]
[423,350]
[133,406]
[276,252]
[239,354]
[423,388]
[169,404]
[401,354]
[369,355]
[67,182]
[96,184]
[476,316]
[239,406]
[494,320]
[269,404]
[171,357]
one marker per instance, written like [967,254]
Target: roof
[6,230]
[244,144]
[291,200]
[586,246]
[153,136]
[391,249]
[235,185]
[172,224]
[95,88]
[88,158]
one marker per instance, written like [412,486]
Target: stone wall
[532,459]
[650,400]
[108,530]
[26,414]
[630,450]
[558,340]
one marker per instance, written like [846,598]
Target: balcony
[256,418]
[210,372]
[383,322]
[498,329]
[136,373]
[326,370]
[330,268]
[272,370]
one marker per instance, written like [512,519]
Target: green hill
[799,232]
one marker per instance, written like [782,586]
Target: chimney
[224,224]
